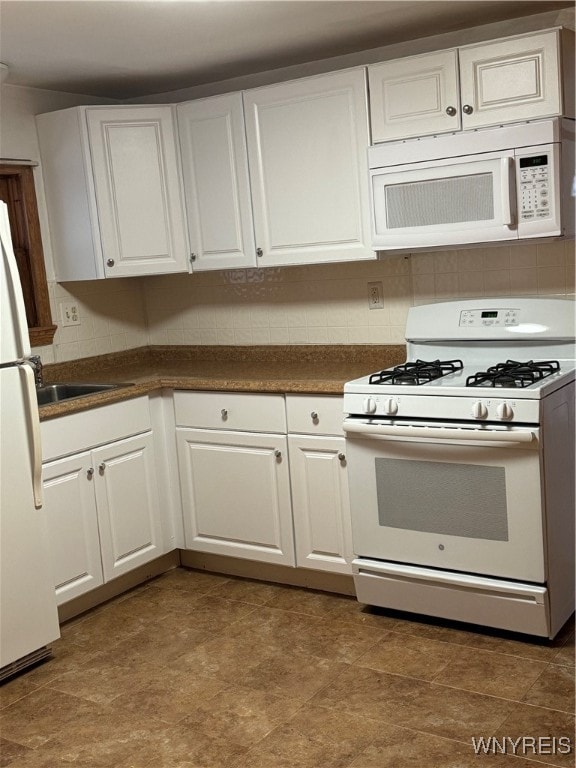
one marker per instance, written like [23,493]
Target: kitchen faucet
[38,373]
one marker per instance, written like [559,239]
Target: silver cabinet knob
[314,416]
[451,111]
[259,252]
[224,413]
[102,466]
[90,473]
[110,262]
[467,109]
[278,453]
[341,457]
[193,257]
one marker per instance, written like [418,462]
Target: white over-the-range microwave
[507,183]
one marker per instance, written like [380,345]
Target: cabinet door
[72,523]
[236,494]
[508,80]
[216,182]
[128,505]
[414,96]
[137,187]
[307,144]
[321,507]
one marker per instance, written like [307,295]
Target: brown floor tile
[43,715]
[545,724]
[496,674]
[10,752]
[327,605]
[413,703]
[566,654]
[296,676]
[403,748]
[16,688]
[554,689]
[171,695]
[245,715]
[247,591]
[314,737]
[195,582]
[409,655]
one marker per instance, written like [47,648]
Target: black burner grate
[513,374]
[417,373]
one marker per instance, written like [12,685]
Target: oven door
[458,497]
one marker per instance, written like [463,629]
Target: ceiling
[123,49]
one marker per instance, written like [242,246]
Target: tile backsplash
[316,304]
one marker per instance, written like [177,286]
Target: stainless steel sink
[55,393]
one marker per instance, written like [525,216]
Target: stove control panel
[488,318]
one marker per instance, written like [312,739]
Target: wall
[328,304]
[315,304]
[112,314]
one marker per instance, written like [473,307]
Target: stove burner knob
[369,405]
[504,411]
[479,410]
[390,407]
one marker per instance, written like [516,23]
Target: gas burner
[513,374]
[417,373]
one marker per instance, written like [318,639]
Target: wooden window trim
[25,224]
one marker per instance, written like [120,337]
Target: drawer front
[315,415]
[231,411]
[76,432]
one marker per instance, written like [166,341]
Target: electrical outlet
[375,296]
[69,313]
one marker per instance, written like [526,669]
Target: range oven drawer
[461,597]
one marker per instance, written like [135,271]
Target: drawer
[315,415]
[230,411]
[82,431]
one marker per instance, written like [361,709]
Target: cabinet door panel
[216,180]
[320,503]
[409,97]
[514,79]
[307,143]
[236,494]
[137,190]
[73,538]
[128,507]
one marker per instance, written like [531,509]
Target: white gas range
[461,466]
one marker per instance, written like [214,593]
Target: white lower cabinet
[72,523]
[235,482]
[101,504]
[319,481]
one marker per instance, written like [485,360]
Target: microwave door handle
[507,189]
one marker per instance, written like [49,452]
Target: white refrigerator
[28,614]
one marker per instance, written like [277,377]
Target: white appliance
[461,466]
[496,184]
[28,615]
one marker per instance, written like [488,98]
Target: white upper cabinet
[113,191]
[513,79]
[217,182]
[414,96]
[307,142]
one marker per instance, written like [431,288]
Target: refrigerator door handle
[31,406]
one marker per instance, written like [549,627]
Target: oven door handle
[383,431]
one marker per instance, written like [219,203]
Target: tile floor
[198,670]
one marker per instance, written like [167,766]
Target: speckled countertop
[304,369]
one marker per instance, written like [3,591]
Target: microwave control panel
[534,187]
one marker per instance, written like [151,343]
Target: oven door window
[433,497]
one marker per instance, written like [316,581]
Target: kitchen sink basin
[55,393]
